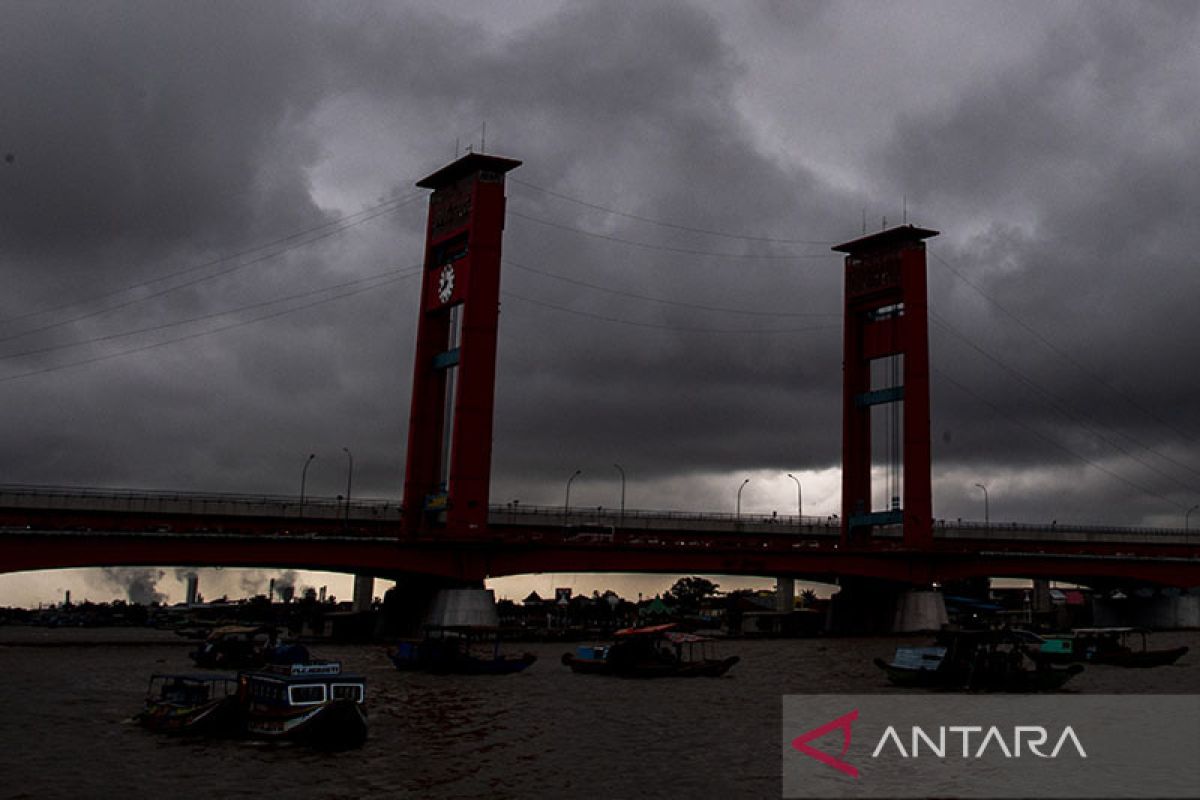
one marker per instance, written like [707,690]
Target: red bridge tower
[886,369]
[448,472]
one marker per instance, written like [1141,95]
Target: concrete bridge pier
[418,600]
[785,595]
[364,593]
[1164,611]
[877,607]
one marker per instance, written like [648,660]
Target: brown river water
[68,695]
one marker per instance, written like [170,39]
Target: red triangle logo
[843,723]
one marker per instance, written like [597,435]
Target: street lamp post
[799,502]
[567,500]
[987,517]
[304,479]
[621,519]
[739,497]
[1187,514]
[349,481]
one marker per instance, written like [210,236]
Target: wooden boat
[657,651]
[459,650]
[988,661]
[1108,646]
[315,703]
[191,704]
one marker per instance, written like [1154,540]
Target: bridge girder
[499,556]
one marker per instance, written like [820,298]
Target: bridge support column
[875,607]
[785,594]
[449,459]
[364,593]
[919,610]
[464,607]
[1162,611]
[414,601]
[886,330]
[1040,600]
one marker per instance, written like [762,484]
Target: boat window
[267,691]
[348,691]
[305,694]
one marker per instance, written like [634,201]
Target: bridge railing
[600,518]
[1069,532]
[586,519]
[65,498]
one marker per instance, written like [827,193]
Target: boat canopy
[649,630]
[237,630]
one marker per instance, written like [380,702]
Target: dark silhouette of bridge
[444,527]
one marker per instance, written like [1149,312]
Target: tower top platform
[467,165]
[892,237]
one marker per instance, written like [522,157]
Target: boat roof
[234,630]
[987,635]
[191,677]
[464,628]
[1104,630]
[305,668]
[649,630]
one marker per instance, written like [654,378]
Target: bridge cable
[659,326]
[663,301]
[668,248]
[341,225]
[1055,443]
[1063,354]
[1059,406]
[664,224]
[211,331]
[393,273]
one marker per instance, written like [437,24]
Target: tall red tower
[448,473]
[886,369]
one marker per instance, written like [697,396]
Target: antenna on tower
[483,137]
[906,208]
[864,221]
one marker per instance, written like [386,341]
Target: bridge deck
[47,528]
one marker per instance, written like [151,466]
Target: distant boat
[233,647]
[1108,646]
[459,650]
[988,661]
[656,651]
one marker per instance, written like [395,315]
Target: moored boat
[657,651]
[191,704]
[234,647]
[988,661]
[315,703]
[459,650]
[1118,647]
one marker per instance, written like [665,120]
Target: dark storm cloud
[1064,294]
[150,138]
[141,124]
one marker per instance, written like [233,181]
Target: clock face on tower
[446,283]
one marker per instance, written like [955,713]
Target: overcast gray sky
[208,228]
